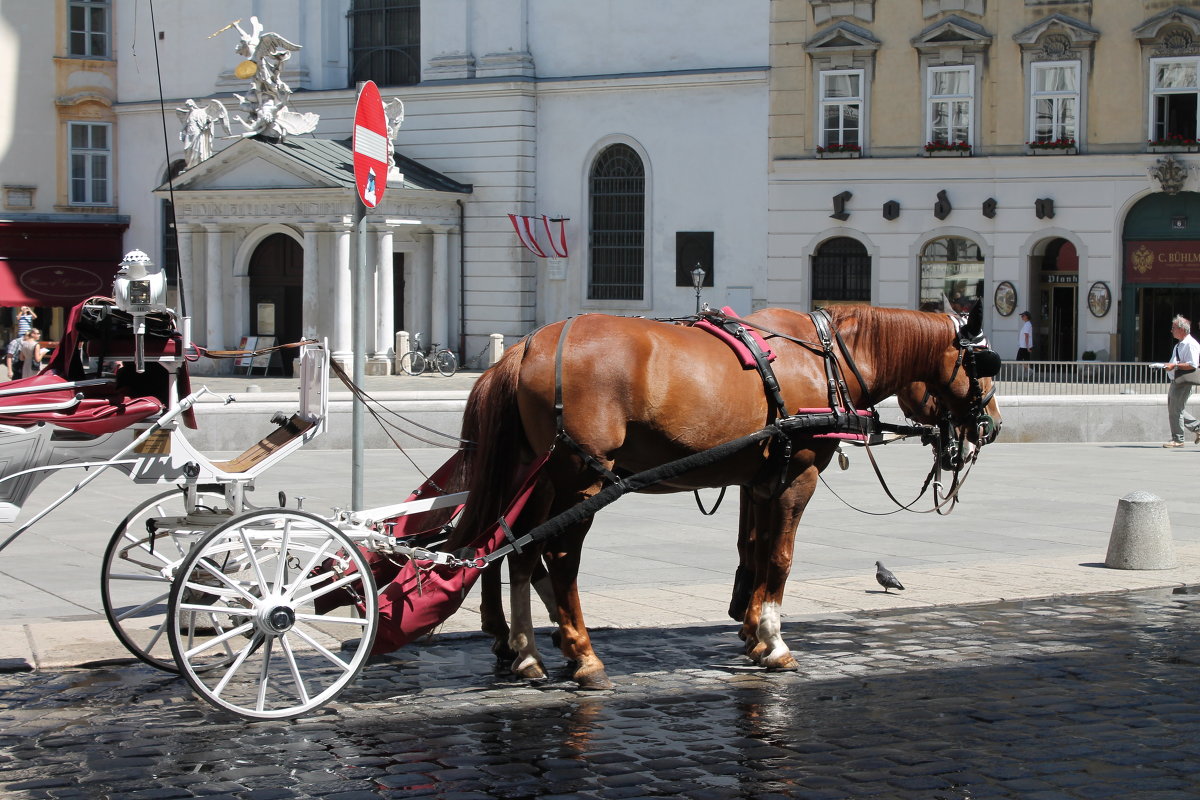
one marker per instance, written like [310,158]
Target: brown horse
[615,396]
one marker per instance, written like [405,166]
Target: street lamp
[698,281]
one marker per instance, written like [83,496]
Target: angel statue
[198,128]
[265,104]
[393,110]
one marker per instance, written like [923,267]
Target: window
[385,42]
[841,109]
[951,104]
[841,273]
[91,163]
[1173,92]
[1054,95]
[951,270]
[88,21]
[693,249]
[617,187]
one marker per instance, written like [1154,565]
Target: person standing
[25,318]
[1025,339]
[1185,360]
[31,353]
[10,357]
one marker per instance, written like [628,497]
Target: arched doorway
[951,273]
[276,293]
[841,273]
[1161,273]
[1055,266]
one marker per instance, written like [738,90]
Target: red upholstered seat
[103,409]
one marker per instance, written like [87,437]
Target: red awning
[57,264]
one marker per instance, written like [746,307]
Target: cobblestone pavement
[1090,697]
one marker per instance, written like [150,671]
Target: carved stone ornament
[1170,173]
[1055,47]
[1177,41]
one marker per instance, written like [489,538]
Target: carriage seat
[92,407]
[289,429]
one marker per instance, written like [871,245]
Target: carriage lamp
[140,288]
[698,281]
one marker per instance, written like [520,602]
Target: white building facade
[643,125]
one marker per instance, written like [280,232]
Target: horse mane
[901,345]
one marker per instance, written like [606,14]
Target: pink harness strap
[745,357]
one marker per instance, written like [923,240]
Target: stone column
[385,313]
[439,288]
[310,305]
[341,339]
[214,272]
[191,278]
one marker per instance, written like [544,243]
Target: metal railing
[1080,377]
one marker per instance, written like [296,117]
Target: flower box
[955,153]
[1051,151]
[1173,148]
[839,154]
[958,149]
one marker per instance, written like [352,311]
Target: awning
[57,263]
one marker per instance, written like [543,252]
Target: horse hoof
[781,663]
[593,681]
[530,672]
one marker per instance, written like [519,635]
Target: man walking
[1025,339]
[1185,360]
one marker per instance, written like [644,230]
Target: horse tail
[495,447]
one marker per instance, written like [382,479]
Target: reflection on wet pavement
[1076,698]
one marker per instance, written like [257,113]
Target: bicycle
[416,360]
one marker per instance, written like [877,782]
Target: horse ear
[974,326]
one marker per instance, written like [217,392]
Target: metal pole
[358,346]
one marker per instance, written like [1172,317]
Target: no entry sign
[370,145]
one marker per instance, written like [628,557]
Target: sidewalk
[1034,522]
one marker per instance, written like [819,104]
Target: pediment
[842,36]
[953,31]
[1152,28]
[258,165]
[1076,32]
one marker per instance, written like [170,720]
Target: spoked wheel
[412,362]
[447,362]
[140,562]
[280,641]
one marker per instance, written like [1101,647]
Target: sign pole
[370,147]
[358,346]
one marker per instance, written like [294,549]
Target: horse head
[962,402]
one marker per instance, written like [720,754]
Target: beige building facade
[1034,154]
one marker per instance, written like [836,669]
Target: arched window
[951,269]
[617,188]
[841,273]
[385,42]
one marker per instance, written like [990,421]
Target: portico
[266,243]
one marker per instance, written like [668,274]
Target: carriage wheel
[274,647]
[447,362]
[413,362]
[138,566]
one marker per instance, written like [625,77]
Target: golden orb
[246,69]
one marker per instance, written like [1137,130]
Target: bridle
[977,360]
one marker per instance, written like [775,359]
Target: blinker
[987,363]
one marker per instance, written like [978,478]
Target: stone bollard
[1141,534]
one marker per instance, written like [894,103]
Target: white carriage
[268,612]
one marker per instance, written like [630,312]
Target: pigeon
[886,578]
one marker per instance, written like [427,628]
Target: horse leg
[776,520]
[562,559]
[527,662]
[743,579]
[491,612]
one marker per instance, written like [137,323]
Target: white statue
[394,111]
[266,102]
[198,124]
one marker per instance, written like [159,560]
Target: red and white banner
[524,226]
